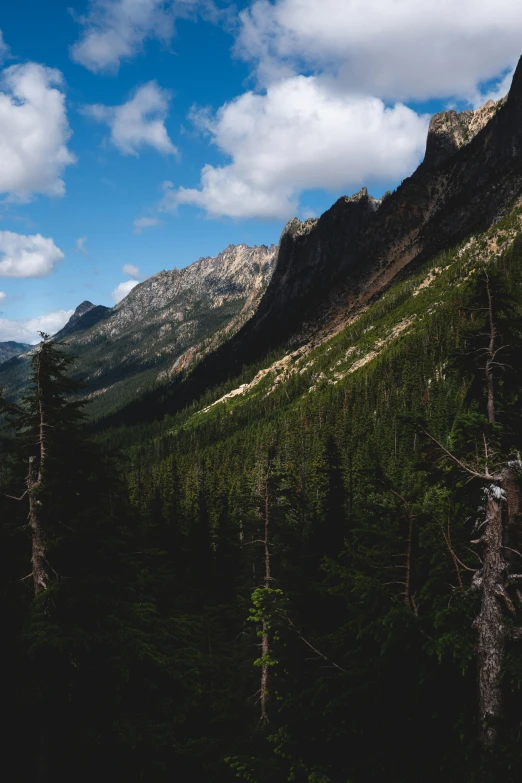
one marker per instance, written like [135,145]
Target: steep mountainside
[10,349]
[327,470]
[328,270]
[163,325]
[305,563]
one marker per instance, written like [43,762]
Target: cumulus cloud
[121,290]
[332,80]
[301,134]
[26,330]
[2,296]
[132,270]
[138,123]
[27,256]
[115,30]
[33,132]
[144,222]
[397,51]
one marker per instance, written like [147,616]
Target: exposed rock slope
[164,324]
[328,269]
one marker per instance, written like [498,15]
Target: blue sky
[139,135]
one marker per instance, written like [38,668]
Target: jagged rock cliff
[449,130]
[327,269]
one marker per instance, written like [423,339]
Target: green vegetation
[279,588]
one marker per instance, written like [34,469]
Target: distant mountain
[164,325]
[85,316]
[10,349]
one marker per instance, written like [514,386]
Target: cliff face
[449,131]
[327,269]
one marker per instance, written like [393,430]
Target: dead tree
[41,571]
[495,580]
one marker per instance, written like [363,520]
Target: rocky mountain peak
[85,315]
[450,130]
[83,308]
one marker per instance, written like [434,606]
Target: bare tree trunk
[38,559]
[41,577]
[490,624]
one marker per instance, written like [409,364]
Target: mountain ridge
[10,349]
[328,269]
[162,326]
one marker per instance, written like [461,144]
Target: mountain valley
[282,539]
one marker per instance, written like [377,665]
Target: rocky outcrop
[326,269]
[169,297]
[449,131]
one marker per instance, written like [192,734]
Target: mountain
[328,270]
[10,349]
[163,326]
[85,316]
[305,565]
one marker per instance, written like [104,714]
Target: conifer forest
[317,587]
[261,519]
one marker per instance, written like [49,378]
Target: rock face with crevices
[449,130]
[326,269]
[195,328]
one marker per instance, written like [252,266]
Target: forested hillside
[290,584]
[296,556]
[9,349]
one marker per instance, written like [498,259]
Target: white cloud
[26,330]
[131,270]
[33,132]
[27,256]
[2,296]
[121,290]
[80,246]
[144,222]
[396,50]
[4,49]
[301,134]
[138,123]
[115,30]
[499,90]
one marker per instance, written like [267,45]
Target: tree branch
[466,468]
